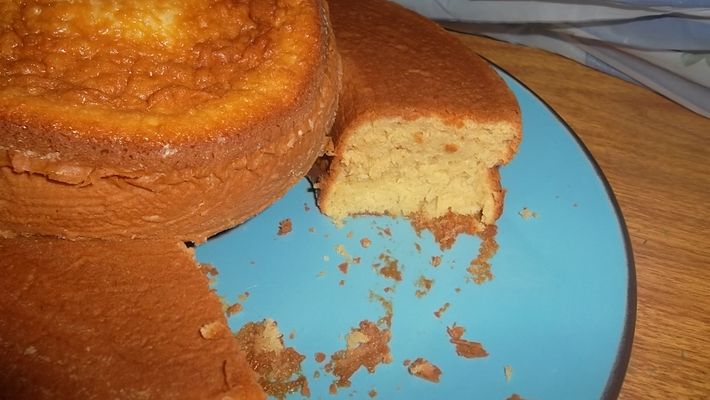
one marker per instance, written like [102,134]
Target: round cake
[158,119]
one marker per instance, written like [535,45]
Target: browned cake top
[157,70]
[408,66]
[110,320]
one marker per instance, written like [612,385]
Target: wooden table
[656,156]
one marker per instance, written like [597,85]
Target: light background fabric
[663,45]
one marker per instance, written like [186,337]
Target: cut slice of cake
[113,320]
[423,124]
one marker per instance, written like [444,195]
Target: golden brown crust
[400,64]
[192,175]
[119,320]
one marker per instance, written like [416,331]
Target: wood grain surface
[656,156]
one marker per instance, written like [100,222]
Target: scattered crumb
[311,229]
[213,330]
[316,374]
[418,247]
[306,208]
[508,372]
[391,268]
[424,369]
[277,367]
[320,274]
[480,267]
[243,297]
[234,309]
[340,249]
[514,397]
[436,261]
[526,213]
[332,389]
[326,258]
[457,290]
[388,289]
[465,348]
[319,357]
[386,231]
[365,242]
[406,362]
[292,335]
[356,260]
[424,285]
[285,227]
[372,393]
[343,267]
[367,347]
[438,313]
[209,270]
[342,282]
[350,235]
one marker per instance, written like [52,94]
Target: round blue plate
[559,313]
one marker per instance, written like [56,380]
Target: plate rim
[615,380]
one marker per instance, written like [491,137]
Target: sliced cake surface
[422,126]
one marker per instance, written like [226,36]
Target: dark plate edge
[623,355]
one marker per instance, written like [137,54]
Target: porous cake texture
[422,126]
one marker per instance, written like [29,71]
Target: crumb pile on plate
[158,119]
[114,320]
[422,127]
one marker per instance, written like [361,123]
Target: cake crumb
[209,270]
[213,330]
[424,285]
[342,282]
[422,368]
[526,213]
[243,297]
[234,309]
[319,357]
[326,258]
[350,235]
[514,397]
[285,227]
[306,207]
[406,362]
[465,348]
[311,229]
[391,268]
[435,261]
[343,267]
[367,346]
[357,260]
[277,367]
[480,267]
[320,274]
[508,372]
[438,313]
[365,242]
[418,247]
[372,393]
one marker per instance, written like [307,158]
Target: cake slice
[122,320]
[422,126]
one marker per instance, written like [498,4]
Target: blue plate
[559,312]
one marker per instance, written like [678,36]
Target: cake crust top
[442,76]
[137,76]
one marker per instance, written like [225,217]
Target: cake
[422,127]
[114,320]
[158,119]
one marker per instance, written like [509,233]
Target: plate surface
[559,311]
